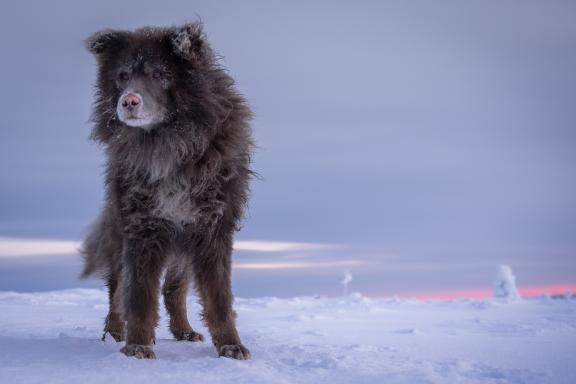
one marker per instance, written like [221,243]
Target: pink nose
[131,100]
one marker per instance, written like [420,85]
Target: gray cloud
[436,131]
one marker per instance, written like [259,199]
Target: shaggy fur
[175,191]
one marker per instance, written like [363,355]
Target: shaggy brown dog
[178,144]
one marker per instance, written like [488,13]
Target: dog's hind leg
[175,291]
[115,320]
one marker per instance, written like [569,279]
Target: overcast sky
[429,140]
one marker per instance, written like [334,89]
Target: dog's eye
[157,74]
[123,76]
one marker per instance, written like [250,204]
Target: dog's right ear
[104,41]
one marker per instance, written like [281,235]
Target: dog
[178,143]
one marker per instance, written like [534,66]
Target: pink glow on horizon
[486,293]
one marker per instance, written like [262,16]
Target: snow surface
[54,337]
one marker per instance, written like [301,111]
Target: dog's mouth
[135,119]
[138,122]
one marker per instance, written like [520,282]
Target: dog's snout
[134,112]
[131,100]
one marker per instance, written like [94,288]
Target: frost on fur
[505,284]
[187,41]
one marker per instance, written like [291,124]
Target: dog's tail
[89,252]
[101,248]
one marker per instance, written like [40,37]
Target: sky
[417,144]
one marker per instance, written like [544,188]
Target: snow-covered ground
[54,337]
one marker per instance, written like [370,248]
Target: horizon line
[485,293]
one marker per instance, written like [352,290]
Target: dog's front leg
[143,257]
[212,268]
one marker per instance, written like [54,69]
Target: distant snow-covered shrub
[505,284]
[345,282]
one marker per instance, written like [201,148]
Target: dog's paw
[189,336]
[234,351]
[117,336]
[138,351]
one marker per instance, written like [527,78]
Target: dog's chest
[173,200]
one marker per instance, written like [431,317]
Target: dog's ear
[188,41]
[104,41]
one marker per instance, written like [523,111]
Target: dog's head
[144,75]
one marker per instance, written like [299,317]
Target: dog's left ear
[188,41]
